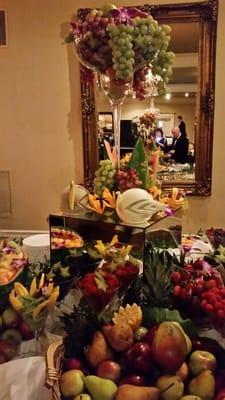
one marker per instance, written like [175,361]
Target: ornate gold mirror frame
[205,13]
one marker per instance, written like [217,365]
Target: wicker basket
[54,357]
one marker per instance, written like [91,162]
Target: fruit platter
[64,238]
[12,260]
[149,339]
[13,266]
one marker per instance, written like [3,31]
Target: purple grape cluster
[127,179]
[92,40]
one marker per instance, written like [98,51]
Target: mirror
[190,95]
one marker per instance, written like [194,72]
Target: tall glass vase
[116,90]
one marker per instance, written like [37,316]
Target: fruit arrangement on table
[124,359]
[145,344]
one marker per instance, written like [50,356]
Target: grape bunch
[92,40]
[122,50]
[151,42]
[104,177]
[127,179]
[149,39]
[162,66]
[123,42]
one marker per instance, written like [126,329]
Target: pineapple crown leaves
[156,277]
[80,327]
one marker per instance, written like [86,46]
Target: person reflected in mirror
[179,148]
[182,125]
[160,140]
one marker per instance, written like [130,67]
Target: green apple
[201,361]
[72,383]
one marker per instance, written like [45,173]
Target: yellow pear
[171,387]
[203,385]
[131,392]
[98,350]
[190,397]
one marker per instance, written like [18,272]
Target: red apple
[149,336]
[136,380]
[25,331]
[109,370]
[139,358]
[72,363]
[220,395]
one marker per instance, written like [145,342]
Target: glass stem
[116,107]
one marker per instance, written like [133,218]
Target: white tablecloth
[23,379]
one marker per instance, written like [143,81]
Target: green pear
[171,387]
[100,388]
[203,385]
[190,397]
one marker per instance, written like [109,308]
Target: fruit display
[199,290]
[65,238]
[114,274]
[34,303]
[12,260]
[122,40]
[124,359]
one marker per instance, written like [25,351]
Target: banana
[20,289]
[39,308]
[72,196]
[50,288]
[41,282]
[54,296]
[33,287]
[15,302]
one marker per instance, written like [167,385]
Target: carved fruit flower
[131,315]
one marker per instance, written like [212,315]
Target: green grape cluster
[121,42]
[149,38]
[104,177]
[162,66]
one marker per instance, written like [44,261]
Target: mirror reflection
[173,130]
